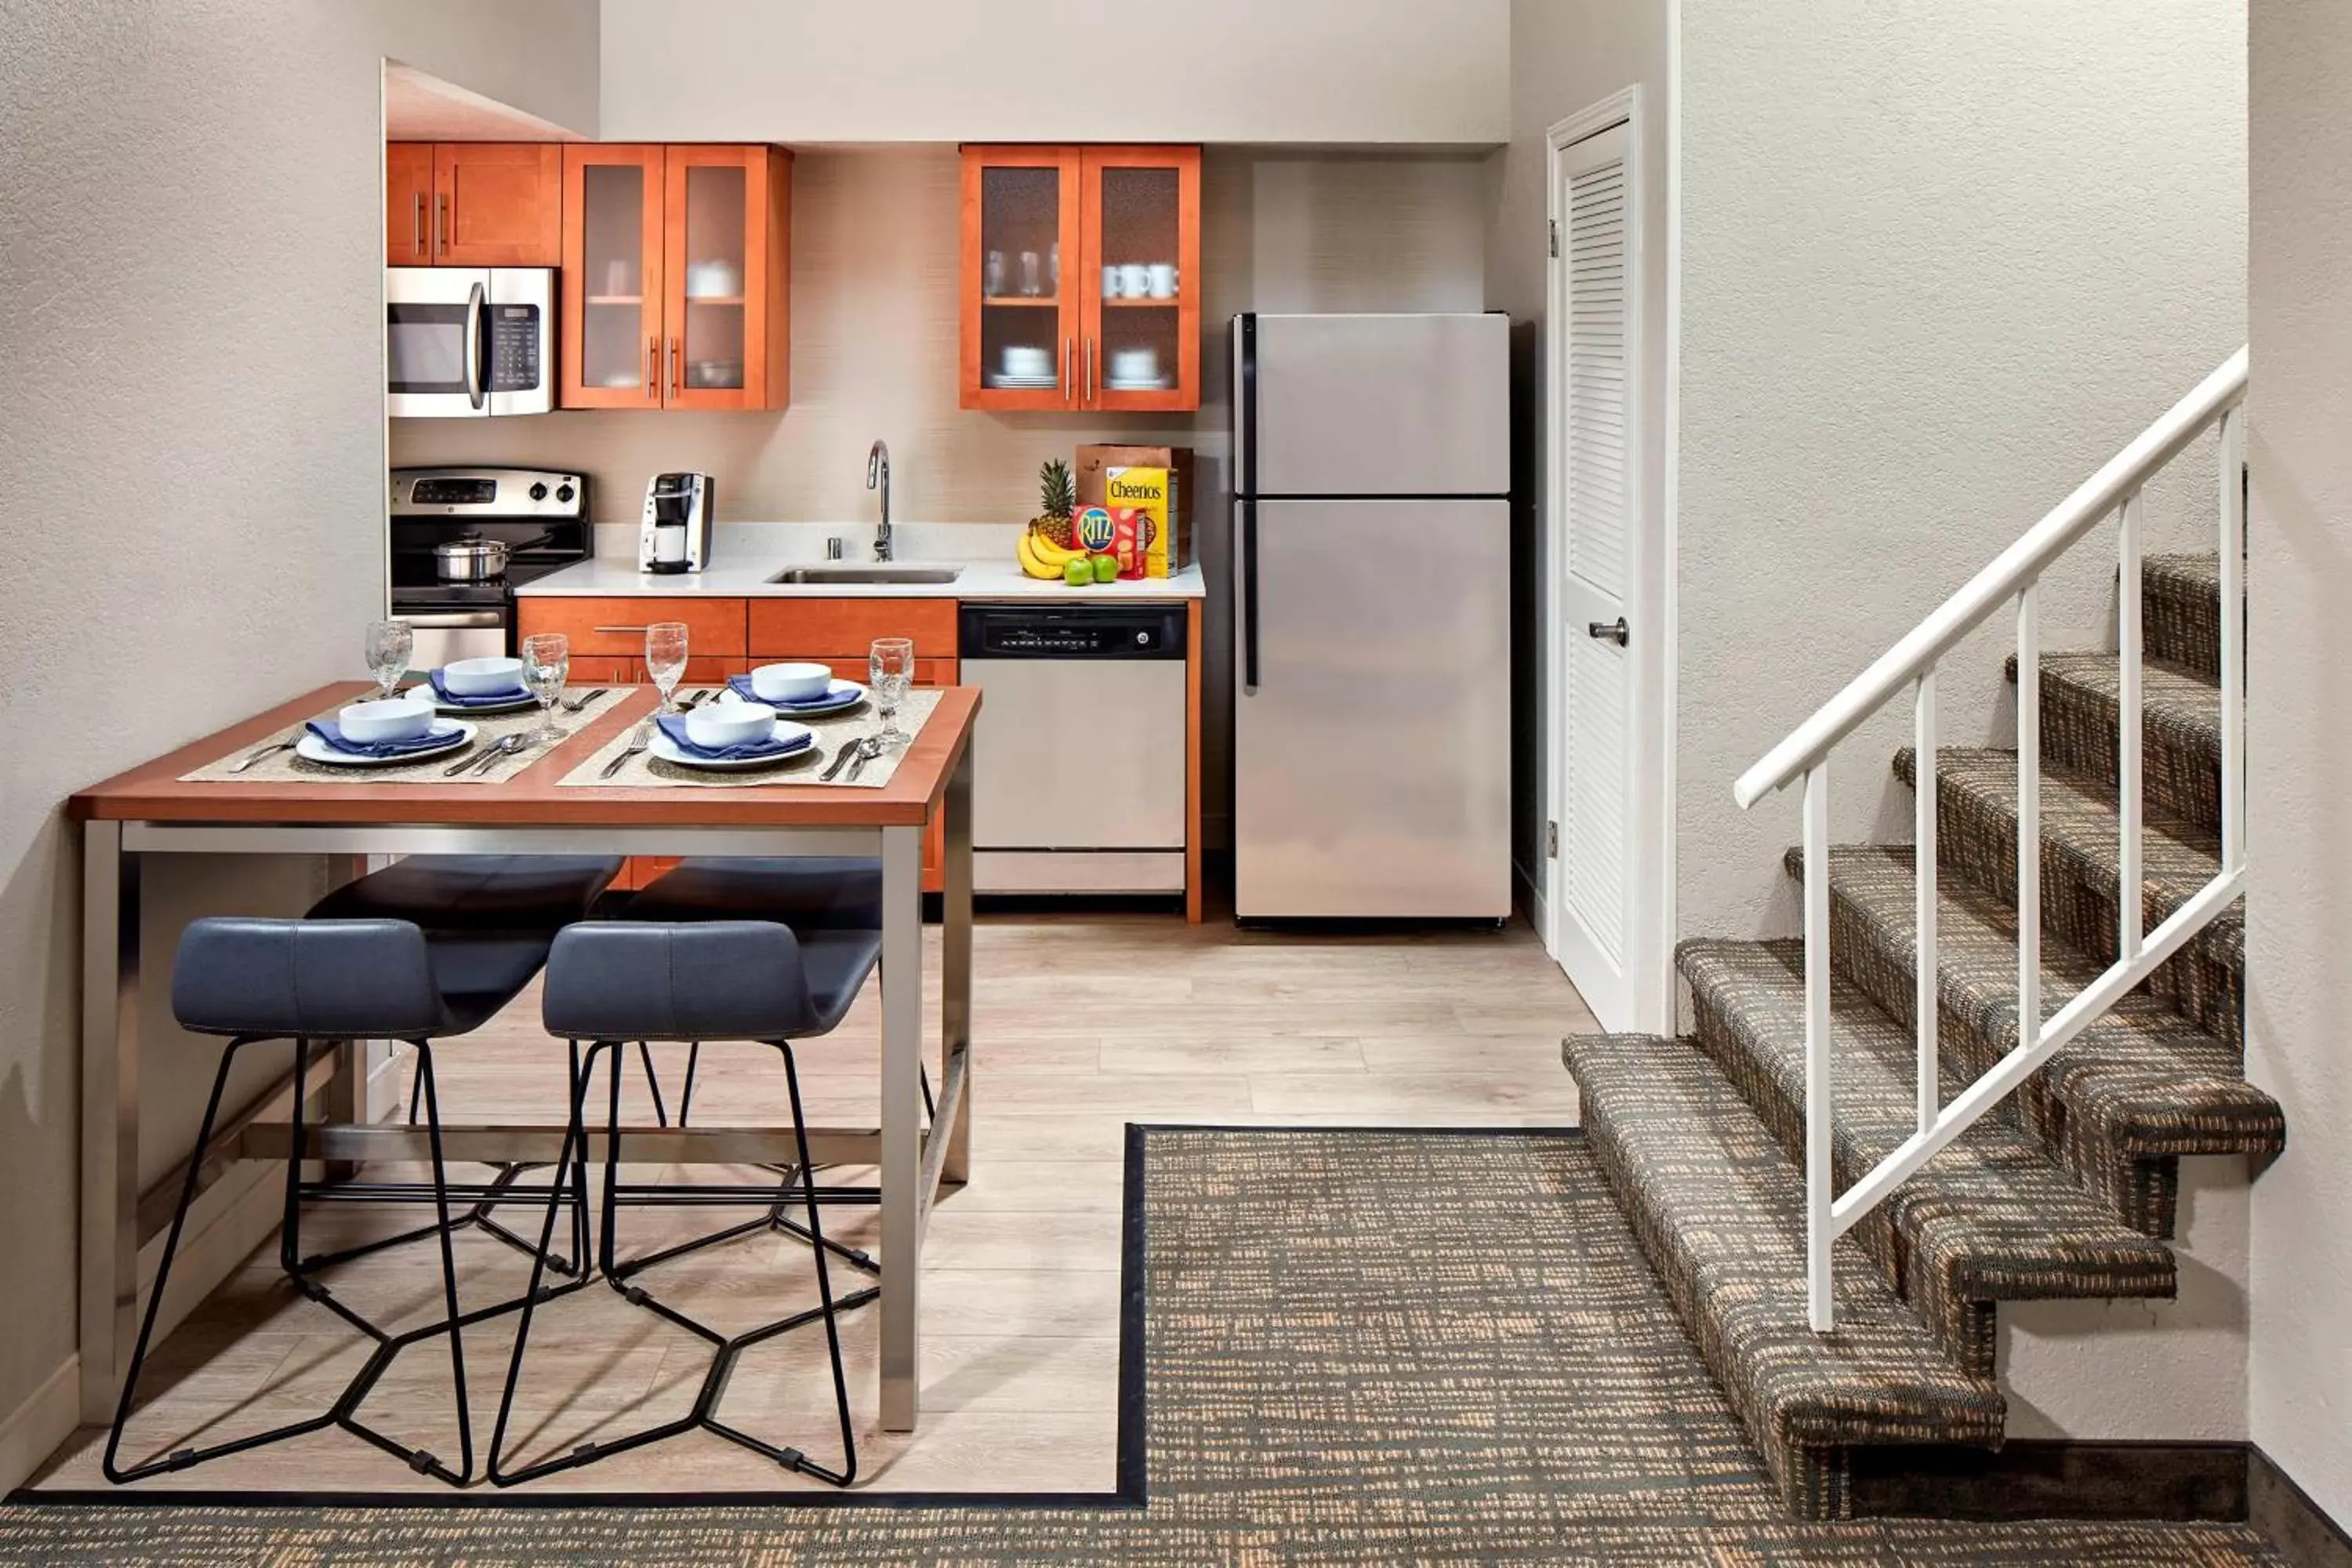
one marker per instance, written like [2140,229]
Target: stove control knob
[1143,639]
[564,493]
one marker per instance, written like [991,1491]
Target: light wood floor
[1082,1025]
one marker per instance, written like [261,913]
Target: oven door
[446,635]
[433,334]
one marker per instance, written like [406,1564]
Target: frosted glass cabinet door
[611,349]
[1019,278]
[717,319]
[1143,332]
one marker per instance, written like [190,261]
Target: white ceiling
[421,108]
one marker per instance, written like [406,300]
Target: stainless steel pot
[474,559]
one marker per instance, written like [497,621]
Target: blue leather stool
[316,981]
[613,982]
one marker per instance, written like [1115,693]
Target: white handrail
[2094,500]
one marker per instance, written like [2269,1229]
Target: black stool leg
[448,1264]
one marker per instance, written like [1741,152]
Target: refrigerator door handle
[1249,598]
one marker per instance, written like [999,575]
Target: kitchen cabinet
[616,627]
[676,276]
[1081,279]
[473,204]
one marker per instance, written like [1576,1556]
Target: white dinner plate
[511,705]
[664,748]
[459,734]
[1160,385]
[1024,382]
[843,696]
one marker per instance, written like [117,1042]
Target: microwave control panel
[514,347]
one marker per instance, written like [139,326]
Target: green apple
[1106,568]
[1077,572]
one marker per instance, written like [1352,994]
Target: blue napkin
[327,730]
[492,699]
[673,726]
[741,685]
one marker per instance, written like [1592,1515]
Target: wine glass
[389,645]
[891,664]
[546,663]
[665,657]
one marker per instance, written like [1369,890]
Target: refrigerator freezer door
[1372,753]
[1377,405]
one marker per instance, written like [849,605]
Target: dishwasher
[1078,764]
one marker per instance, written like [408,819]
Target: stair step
[1719,1211]
[2180,611]
[2180,757]
[2081,864]
[1991,1218]
[2119,1104]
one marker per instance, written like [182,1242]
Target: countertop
[745,555]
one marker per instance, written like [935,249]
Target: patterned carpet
[1363,1348]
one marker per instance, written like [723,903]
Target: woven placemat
[280,767]
[645,771]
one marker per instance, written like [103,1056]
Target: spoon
[506,746]
[581,704]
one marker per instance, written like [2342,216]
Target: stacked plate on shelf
[1026,368]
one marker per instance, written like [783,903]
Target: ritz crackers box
[1171,547]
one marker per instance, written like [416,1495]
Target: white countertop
[745,555]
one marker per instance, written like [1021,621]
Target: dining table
[547,802]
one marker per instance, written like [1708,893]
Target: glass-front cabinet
[1081,279]
[677,264]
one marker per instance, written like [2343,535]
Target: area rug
[1361,1347]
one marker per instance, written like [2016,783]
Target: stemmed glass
[389,645]
[891,664]
[666,658]
[546,663]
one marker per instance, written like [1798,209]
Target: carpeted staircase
[2068,1190]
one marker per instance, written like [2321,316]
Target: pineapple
[1059,493]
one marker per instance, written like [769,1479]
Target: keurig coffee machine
[675,536]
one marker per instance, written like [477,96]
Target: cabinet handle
[653,368]
[441,224]
[639,630]
[676,387]
[1069,369]
[416,227]
[1090,373]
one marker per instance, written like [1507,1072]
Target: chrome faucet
[878,477]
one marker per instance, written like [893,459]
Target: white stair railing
[2014,576]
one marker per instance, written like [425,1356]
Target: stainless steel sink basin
[868,574]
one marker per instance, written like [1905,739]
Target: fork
[581,706]
[637,743]
[270,750]
[504,746]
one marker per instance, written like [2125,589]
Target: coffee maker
[675,534]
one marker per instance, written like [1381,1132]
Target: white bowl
[1135,365]
[1028,362]
[792,682]
[482,676]
[720,724]
[397,718]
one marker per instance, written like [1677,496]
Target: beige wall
[194,500]
[801,71]
[2299,670]
[874,235]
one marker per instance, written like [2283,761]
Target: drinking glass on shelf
[891,665]
[666,658]
[546,664]
[389,645]
[992,280]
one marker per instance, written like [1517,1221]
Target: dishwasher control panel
[1021,631]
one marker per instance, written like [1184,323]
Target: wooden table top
[154,791]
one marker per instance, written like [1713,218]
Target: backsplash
[874,232]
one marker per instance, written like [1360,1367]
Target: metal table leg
[109,1115]
[902,1098]
[955,969]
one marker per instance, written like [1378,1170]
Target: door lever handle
[1609,631]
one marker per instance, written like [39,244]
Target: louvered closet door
[1597,679]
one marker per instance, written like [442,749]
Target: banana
[1051,553]
[1031,564]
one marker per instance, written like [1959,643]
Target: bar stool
[453,894]
[315,981]
[613,982]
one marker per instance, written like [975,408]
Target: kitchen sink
[868,574]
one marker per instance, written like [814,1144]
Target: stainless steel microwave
[468,343]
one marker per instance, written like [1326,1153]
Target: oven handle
[476,303]
[455,620]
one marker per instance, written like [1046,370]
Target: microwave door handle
[476,303]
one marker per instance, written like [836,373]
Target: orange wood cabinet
[473,204]
[676,288]
[845,629]
[408,231]
[1081,279]
[616,627]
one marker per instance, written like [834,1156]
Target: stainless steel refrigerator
[1372,580]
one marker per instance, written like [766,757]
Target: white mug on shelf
[1110,283]
[1134,279]
[1163,281]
